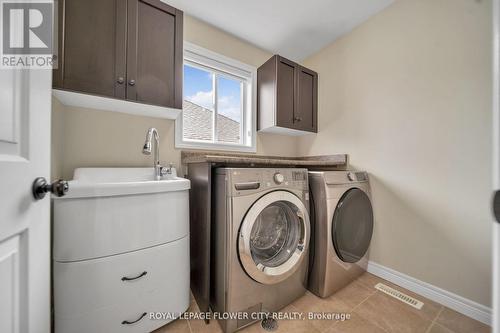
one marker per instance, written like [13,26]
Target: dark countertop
[230,159]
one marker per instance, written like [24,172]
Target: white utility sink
[108,211]
[91,182]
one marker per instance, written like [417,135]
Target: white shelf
[70,98]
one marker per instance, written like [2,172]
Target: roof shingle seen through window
[197,124]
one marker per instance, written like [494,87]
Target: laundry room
[250,166]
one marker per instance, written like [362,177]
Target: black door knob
[120,80]
[40,187]
[131,83]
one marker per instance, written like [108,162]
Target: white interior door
[25,104]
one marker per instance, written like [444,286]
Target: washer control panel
[292,178]
[246,180]
[279,178]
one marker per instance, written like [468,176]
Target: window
[219,102]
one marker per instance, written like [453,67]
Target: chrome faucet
[146,150]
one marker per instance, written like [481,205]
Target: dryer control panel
[357,176]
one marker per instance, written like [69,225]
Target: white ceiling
[292,28]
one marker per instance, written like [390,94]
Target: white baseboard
[453,301]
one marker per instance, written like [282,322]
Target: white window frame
[203,58]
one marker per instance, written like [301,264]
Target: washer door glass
[275,234]
[352,225]
[274,237]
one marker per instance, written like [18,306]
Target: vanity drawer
[111,319]
[121,286]
[89,228]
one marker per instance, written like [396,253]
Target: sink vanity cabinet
[120,251]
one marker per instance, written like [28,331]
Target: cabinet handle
[131,83]
[297,119]
[134,278]
[120,80]
[126,322]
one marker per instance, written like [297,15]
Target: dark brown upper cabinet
[125,49]
[287,97]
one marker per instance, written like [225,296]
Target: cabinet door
[92,39]
[154,63]
[285,92]
[306,110]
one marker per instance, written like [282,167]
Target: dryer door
[352,225]
[274,237]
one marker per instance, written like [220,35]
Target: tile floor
[371,312]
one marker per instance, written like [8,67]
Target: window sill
[217,147]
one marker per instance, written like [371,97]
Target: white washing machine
[342,224]
[260,242]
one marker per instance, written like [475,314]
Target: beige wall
[408,96]
[84,137]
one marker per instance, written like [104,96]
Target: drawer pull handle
[134,278]
[126,322]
